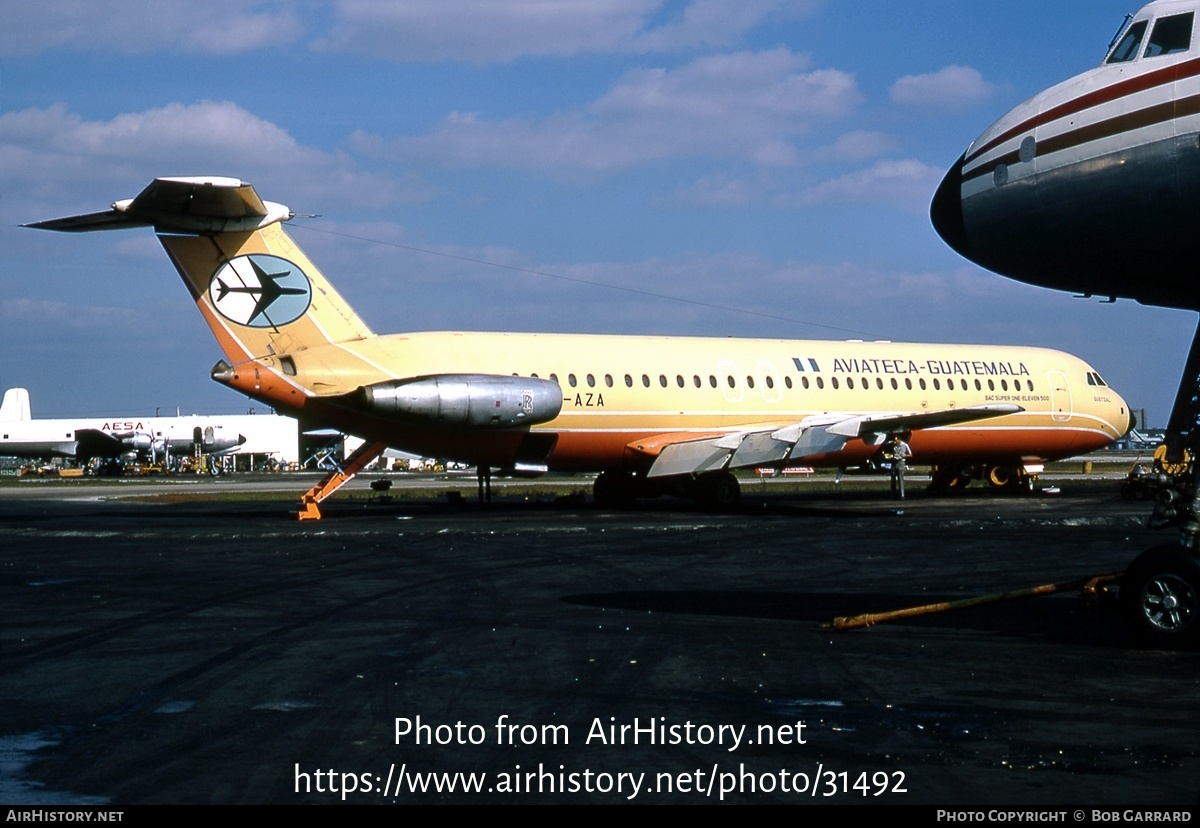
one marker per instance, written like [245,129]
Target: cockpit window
[1171,35]
[1127,49]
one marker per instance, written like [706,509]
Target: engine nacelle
[467,400]
[136,441]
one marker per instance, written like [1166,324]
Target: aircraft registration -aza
[651,414]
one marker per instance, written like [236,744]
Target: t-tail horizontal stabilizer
[193,205]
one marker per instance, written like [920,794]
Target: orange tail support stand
[362,457]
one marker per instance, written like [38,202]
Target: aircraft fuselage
[624,397]
[1090,186]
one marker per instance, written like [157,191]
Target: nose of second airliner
[1119,415]
[945,211]
[1130,421]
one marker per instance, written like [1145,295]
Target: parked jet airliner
[646,412]
[85,439]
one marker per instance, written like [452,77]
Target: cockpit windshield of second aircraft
[1171,35]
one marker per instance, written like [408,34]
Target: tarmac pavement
[546,651]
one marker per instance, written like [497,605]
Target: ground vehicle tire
[1160,598]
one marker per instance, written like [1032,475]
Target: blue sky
[533,165]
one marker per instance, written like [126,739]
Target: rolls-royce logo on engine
[260,291]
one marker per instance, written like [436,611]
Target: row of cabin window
[804,382]
[679,380]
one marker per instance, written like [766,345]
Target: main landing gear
[951,479]
[617,489]
[1160,591]
[717,491]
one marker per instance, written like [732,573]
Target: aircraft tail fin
[15,407]
[256,289]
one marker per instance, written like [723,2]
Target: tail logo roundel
[260,291]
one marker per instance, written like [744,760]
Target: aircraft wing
[886,424]
[814,435]
[38,448]
[92,442]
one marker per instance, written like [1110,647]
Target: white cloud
[483,31]
[719,190]
[147,26]
[52,152]
[717,22]
[486,31]
[949,88]
[860,144]
[37,313]
[746,105]
[905,183]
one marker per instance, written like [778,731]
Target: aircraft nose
[1122,417]
[945,211]
[1130,420]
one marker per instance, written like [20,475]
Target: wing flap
[824,434]
[759,449]
[817,440]
[693,457]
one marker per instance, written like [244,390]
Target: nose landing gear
[1160,592]
[1160,597]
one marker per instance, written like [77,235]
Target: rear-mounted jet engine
[466,400]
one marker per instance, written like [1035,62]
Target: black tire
[1160,598]
[1001,477]
[718,491]
[614,490]
[948,480]
[1009,479]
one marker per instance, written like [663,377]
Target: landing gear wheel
[1010,479]
[1160,598]
[1173,469]
[614,490]
[948,480]
[1001,477]
[718,491]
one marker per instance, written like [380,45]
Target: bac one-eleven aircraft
[649,413]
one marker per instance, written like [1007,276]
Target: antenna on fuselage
[1120,31]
